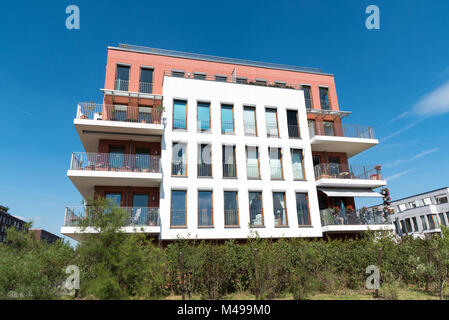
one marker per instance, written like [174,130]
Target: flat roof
[204,57]
[419,194]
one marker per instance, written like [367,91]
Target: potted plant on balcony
[376,176]
[97,116]
[101,166]
[145,169]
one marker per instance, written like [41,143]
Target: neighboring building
[421,214]
[7,220]
[41,234]
[209,147]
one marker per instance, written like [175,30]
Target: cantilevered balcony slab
[88,170]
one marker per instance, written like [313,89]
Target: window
[256,209]
[280,84]
[441,199]
[143,159]
[146,80]
[180,115]
[205,216]
[279,209]
[396,225]
[203,116]
[116,157]
[145,114]
[402,207]
[432,221]
[252,162]
[221,78]
[276,163]
[114,197]
[302,209]
[242,80]
[419,203]
[292,122]
[227,119]
[328,128]
[403,227]
[427,201]
[423,222]
[249,119]
[307,96]
[231,213]
[179,159]
[443,221]
[139,213]
[229,164]
[408,225]
[122,78]
[204,160]
[297,164]
[178,208]
[119,112]
[178,73]
[271,118]
[261,82]
[415,224]
[198,75]
[311,124]
[324,99]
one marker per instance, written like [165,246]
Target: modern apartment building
[197,146]
[7,221]
[422,214]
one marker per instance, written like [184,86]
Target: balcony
[229,170]
[204,170]
[140,219]
[93,121]
[339,137]
[132,89]
[345,175]
[112,169]
[231,218]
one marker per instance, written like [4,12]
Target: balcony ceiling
[350,146]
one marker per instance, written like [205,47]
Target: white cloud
[433,103]
[397,175]
[413,158]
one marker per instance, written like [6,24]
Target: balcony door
[122,78]
[140,209]
[292,121]
[142,159]
[114,197]
[146,80]
[116,157]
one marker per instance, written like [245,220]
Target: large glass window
[205,216]
[231,209]
[140,209]
[119,113]
[229,165]
[297,164]
[279,209]
[272,122]
[256,209]
[114,197]
[249,119]
[179,114]
[146,80]
[307,96]
[142,159]
[292,121]
[122,78]
[227,119]
[324,98]
[423,222]
[302,209]
[328,128]
[276,163]
[179,159]
[116,157]
[252,162]
[178,208]
[203,116]
[443,221]
[415,224]
[204,160]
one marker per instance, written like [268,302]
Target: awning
[340,192]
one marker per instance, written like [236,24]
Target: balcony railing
[121,85]
[332,217]
[256,218]
[293,131]
[204,170]
[115,162]
[205,218]
[137,216]
[272,131]
[145,87]
[229,170]
[178,168]
[280,217]
[231,218]
[345,171]
[250,129]
[178,217]
[276,171]
[343,130]
[109,112]
[227,127]
[252,171]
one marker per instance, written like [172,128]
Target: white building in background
[421,214]
[205,147]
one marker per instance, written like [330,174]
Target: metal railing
[178,168]
[252,171]
[227,127]
[145,87]
[137,216]
[109,112]
[178,217]
[229,170]
[280,217]
[346,171]
[344,216]
[293,131]
[231,218]
[276,171]
[205,217]
[115,162]
[272,131]
[204,170]
[256,218]
[250,129]
[121,85]
[343,130]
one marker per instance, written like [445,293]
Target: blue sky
[394,79]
